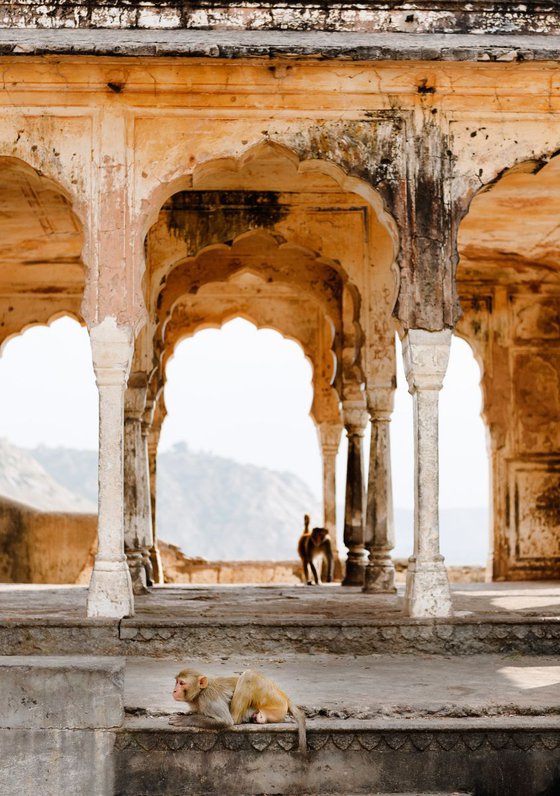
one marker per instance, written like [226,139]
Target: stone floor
[539,599]
[373,686]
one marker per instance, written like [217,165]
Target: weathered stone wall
[57,723]
[45,547]
[179,568]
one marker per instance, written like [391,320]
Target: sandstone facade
[338,175]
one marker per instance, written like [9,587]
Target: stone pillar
[138,538]
[426,355]
[152,436]
[110,589]
[355,420]
[379,531]
[329,438]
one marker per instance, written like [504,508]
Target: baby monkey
[311,545]
[219,702]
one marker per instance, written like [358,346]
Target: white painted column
[329,438]
[138,537]
[379,537]
[110,589]
[426,355]
[355,421]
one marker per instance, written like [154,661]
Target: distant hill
[208,505]
[25,479]
[217,508]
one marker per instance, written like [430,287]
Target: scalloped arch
[51,319]
[264,240]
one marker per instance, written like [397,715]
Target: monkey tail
[299,716]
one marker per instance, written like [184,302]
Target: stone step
[370,686]
[167,637]
[489,757]
[395,724]
[490,618]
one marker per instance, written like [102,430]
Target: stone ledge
[273,43]
[61,692]
[160,638]
[539,637]
[490,758]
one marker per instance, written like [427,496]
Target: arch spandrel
[512,224]
[263,165]
[42,272]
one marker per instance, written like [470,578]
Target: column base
[354,572]
[110,590]
[157,566]
[137,561]
[427,589]
[379,576]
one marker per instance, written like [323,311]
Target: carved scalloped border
[443,634]
[369,741]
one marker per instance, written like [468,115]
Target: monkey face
[181,692]
[188,686]
[318,535]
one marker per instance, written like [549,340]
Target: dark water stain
[201,218]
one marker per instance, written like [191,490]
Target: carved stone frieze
[379,741]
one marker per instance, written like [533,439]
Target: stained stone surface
[371,686]
[489,757]
[281,603]
[215,621]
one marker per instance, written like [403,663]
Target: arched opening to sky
[49,401]
[245,395]
[464,462]
[242,394]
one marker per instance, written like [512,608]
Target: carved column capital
[135,396]
[425,356]
[111,348]
[355,417]
[380,402]
[329,436]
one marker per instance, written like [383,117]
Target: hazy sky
[236,392]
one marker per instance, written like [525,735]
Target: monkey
[219,702]
[312,544]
